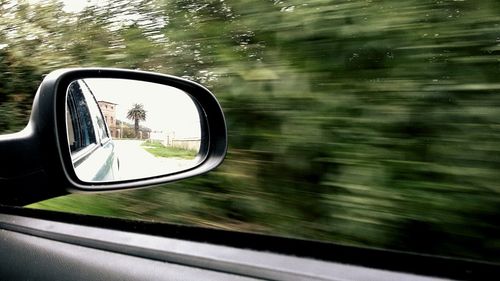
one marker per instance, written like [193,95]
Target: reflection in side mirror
[122,129]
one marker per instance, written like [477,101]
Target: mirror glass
[120,129]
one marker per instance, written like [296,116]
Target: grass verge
[159,150]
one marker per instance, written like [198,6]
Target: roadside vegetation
[159,150]
[372,123]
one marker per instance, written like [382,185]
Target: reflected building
[109,111]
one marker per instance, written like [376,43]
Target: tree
[137,113]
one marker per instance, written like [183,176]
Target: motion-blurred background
[373,123]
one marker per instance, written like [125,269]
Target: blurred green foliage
[364,122]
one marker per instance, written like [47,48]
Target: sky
[167,109]
[74,5]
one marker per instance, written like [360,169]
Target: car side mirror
[100,129]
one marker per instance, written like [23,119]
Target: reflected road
[136,162]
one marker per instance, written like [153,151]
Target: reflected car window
[82,131]
[96,113]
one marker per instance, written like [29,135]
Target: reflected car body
[92,149]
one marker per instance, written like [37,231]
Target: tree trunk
[136,127]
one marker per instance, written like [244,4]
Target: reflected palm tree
[137,113]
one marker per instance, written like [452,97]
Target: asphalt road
[136,162]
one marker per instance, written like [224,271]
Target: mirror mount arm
[23,176]
[30,167]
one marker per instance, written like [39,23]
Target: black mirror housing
[37,164]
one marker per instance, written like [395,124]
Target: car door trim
[243,262]
[391,260]
[84,153]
